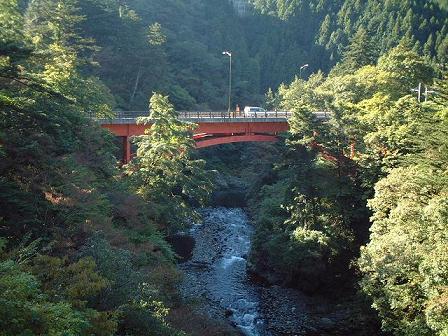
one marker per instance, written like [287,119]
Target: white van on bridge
[254,111]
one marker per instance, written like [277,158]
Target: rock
[311,329]
[326,323]
[228,312]
[229,198]
[200,264]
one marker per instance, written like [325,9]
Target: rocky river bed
[217,281]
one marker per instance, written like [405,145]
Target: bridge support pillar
[126,150]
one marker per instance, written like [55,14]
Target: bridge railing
[229,115]
[196,114]
[216,116]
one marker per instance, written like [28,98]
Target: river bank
[217,283]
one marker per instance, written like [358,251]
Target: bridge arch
[214,141]
[204,142]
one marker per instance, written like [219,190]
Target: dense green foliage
[399,163]
[405,262]
[137,47]
[424,23]
[81,253]
[161,45]
[82,249]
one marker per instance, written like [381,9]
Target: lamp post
[301,68]
[229,53]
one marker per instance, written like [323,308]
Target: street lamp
[301,68]
[229,53]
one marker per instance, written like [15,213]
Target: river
[216,272]
[215,277]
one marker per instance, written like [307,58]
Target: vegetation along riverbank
[348,214]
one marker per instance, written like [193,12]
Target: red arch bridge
[214,128]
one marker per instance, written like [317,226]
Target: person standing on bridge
[237,110]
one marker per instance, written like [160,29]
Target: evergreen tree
[52,26]
[11,21]
[429,45]
[361,51]
[164,172]
[271,101]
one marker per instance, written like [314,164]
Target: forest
[355,207]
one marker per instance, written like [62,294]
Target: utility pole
[420,92]
[427,93]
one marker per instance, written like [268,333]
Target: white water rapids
[216,273]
